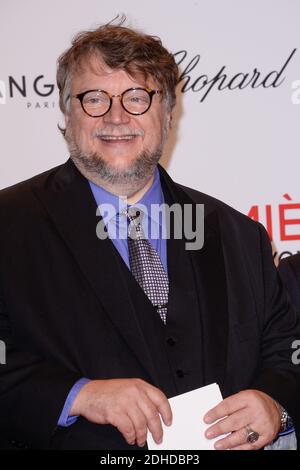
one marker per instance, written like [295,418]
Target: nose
[116,114]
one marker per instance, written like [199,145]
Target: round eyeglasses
[135,101]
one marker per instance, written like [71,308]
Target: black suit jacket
[289,269]
[70,308]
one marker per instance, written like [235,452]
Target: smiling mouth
[113,138]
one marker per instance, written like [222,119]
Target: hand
[248,408]
[131,405]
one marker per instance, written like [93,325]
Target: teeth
[111,137]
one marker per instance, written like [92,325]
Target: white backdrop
[240,145]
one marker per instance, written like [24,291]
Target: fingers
[153,421]
[225,408]
[138,408]
[125,427]
[232,423]
[131,405]
[162,404]
[155,406]
[236,439]
[140,426]
[249,408]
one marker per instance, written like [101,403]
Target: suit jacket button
[179,373]
[171,341]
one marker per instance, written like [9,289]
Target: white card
[188,428]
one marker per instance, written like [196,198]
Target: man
[100,331]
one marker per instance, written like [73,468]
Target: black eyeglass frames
[136,101]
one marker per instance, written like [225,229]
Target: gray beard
[139,171]
[94,167]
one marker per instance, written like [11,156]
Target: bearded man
[102,330]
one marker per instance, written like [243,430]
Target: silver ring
[252,436]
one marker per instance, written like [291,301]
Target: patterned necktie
[145,264]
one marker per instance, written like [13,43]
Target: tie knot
[134,214]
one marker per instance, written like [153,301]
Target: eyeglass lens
[135,101]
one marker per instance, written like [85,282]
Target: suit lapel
[211,285]
[71,206]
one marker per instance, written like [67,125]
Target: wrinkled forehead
[93,66]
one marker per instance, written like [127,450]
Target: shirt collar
[154,195]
